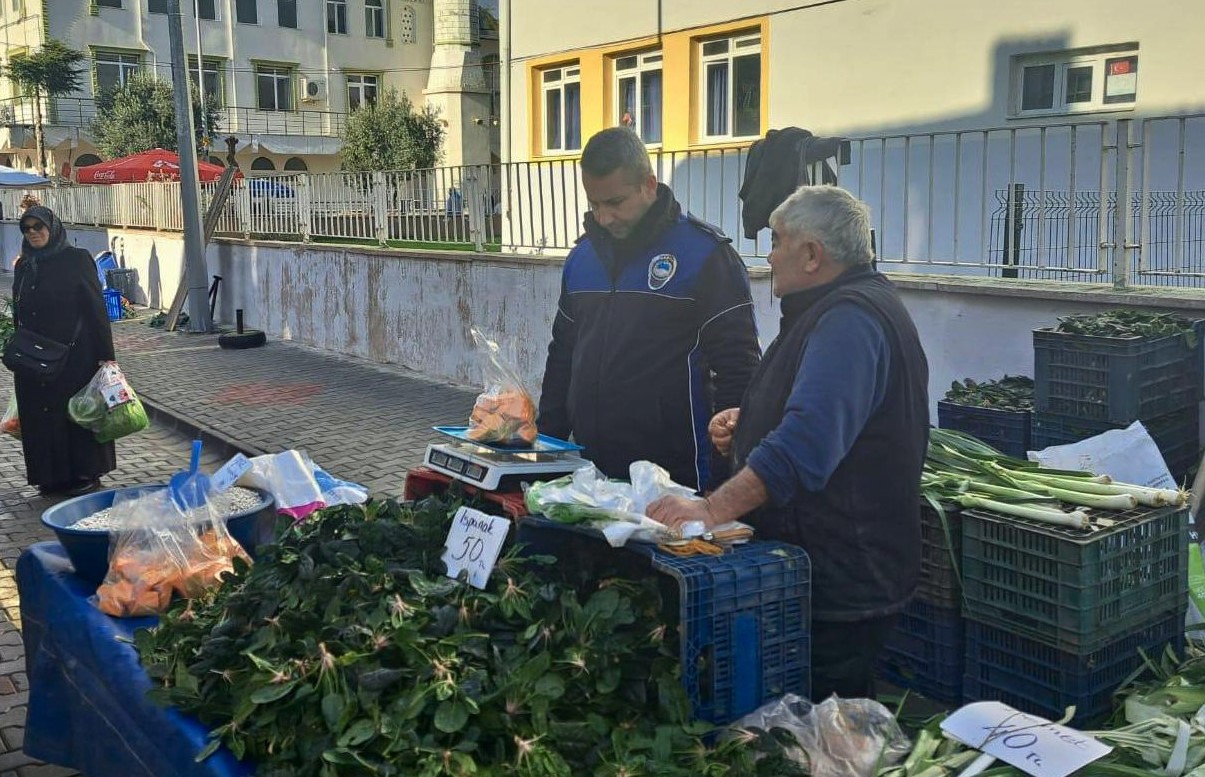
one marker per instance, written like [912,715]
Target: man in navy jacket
[654,331]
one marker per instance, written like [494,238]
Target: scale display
[491,468]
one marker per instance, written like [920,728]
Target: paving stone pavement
[360,421]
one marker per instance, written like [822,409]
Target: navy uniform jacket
[653,335]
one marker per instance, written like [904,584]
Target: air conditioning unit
[313,90]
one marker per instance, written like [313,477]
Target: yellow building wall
[681,90]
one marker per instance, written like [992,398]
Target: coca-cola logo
[104,175]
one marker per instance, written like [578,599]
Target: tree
[392,135]
[52,71]
[141,115]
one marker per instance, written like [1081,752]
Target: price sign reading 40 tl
[1032,744]
[473,545]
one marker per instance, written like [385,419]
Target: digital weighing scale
[496,467]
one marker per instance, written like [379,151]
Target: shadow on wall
[154,280]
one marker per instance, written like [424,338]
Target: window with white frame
[730,71]
[211,78]
[361,90]
[206,9]
[1071,82]
[109,3]
[246,11]
[562,91]
[336,17]
[638,94]
[113,69]
[274,88]
[374,18]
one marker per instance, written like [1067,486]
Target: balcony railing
[79,112]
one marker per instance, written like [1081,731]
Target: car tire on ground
[250,338]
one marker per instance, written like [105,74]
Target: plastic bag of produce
[504,414]
[10,422]
[208,549]
[108,405]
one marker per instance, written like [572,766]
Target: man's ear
[650,184]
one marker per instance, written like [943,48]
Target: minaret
[456,83]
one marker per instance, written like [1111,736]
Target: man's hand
[722,427]
[674,511]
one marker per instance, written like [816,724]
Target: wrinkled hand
[722,427]
[674,511]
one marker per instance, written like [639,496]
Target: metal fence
[1024,201]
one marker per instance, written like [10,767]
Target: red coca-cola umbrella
[153,165]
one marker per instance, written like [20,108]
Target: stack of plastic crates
[742,619]
[1085,385]
[1056,616]
[925,652]
[1008,431]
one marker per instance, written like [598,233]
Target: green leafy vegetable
[1012,392]
[1129,323]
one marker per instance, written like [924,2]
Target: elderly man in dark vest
[830,438]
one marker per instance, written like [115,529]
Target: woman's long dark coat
[54,290]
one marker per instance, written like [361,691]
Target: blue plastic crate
[1002,665]
[925,652]
[113,304]
[1005,430]
[743,618]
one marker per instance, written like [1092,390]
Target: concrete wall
[415,310]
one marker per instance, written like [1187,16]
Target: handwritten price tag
[473,545]
[1032,744]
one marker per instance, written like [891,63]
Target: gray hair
[831,215]
[616,148]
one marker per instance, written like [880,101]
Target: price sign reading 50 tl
[473,545]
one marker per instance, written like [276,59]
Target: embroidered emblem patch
[661,270]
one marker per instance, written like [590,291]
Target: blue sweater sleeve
[841,381]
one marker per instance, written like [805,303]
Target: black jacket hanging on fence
[776,167]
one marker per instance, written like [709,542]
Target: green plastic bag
[108,405]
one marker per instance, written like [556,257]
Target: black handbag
[36,356]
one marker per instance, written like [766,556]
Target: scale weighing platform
[496,467]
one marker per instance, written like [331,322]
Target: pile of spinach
[345,650]
[1129,323]
[1012,392]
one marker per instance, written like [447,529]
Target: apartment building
[286,73]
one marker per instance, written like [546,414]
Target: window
[731,69]
[562,109]
[274,88]
[246,11]
[109,3]
[336,17]
[296,164]
[1074,82]
[490,70]
[406,29]
[638,94]
[83,160]
[286,13]
[206,9]
[374,18]
[156,6]
[211,72]
[361,90]
[262,163]
[112,69]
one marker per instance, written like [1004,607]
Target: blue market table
[87,691]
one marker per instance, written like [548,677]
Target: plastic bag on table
[504,413]
[336,491]
[838,737]
[289,477]
[209,550]
[145,556]
[10,422]
[108,405]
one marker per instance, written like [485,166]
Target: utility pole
[196,10]
[196,273]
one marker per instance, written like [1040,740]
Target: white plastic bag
[10,423]
[299,485]
[1127,455]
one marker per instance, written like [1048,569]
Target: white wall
[415,311]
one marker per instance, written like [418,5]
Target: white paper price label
[473,545]
[1032,744]
[230,472]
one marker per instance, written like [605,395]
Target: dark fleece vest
[862,531]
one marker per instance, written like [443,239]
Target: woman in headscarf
[58,295]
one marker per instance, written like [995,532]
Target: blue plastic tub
[89,550]
[113,304]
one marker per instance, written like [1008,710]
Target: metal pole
[1121,212]
[196,10]
[196,273]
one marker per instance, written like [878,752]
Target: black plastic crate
[1074,589]
[925,652]
[1005,430]
[1115,379]
[1033,677]
[940,557]
[743,618]
[1177,435]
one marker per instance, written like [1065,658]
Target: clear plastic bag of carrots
[504,414]
[161,551]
